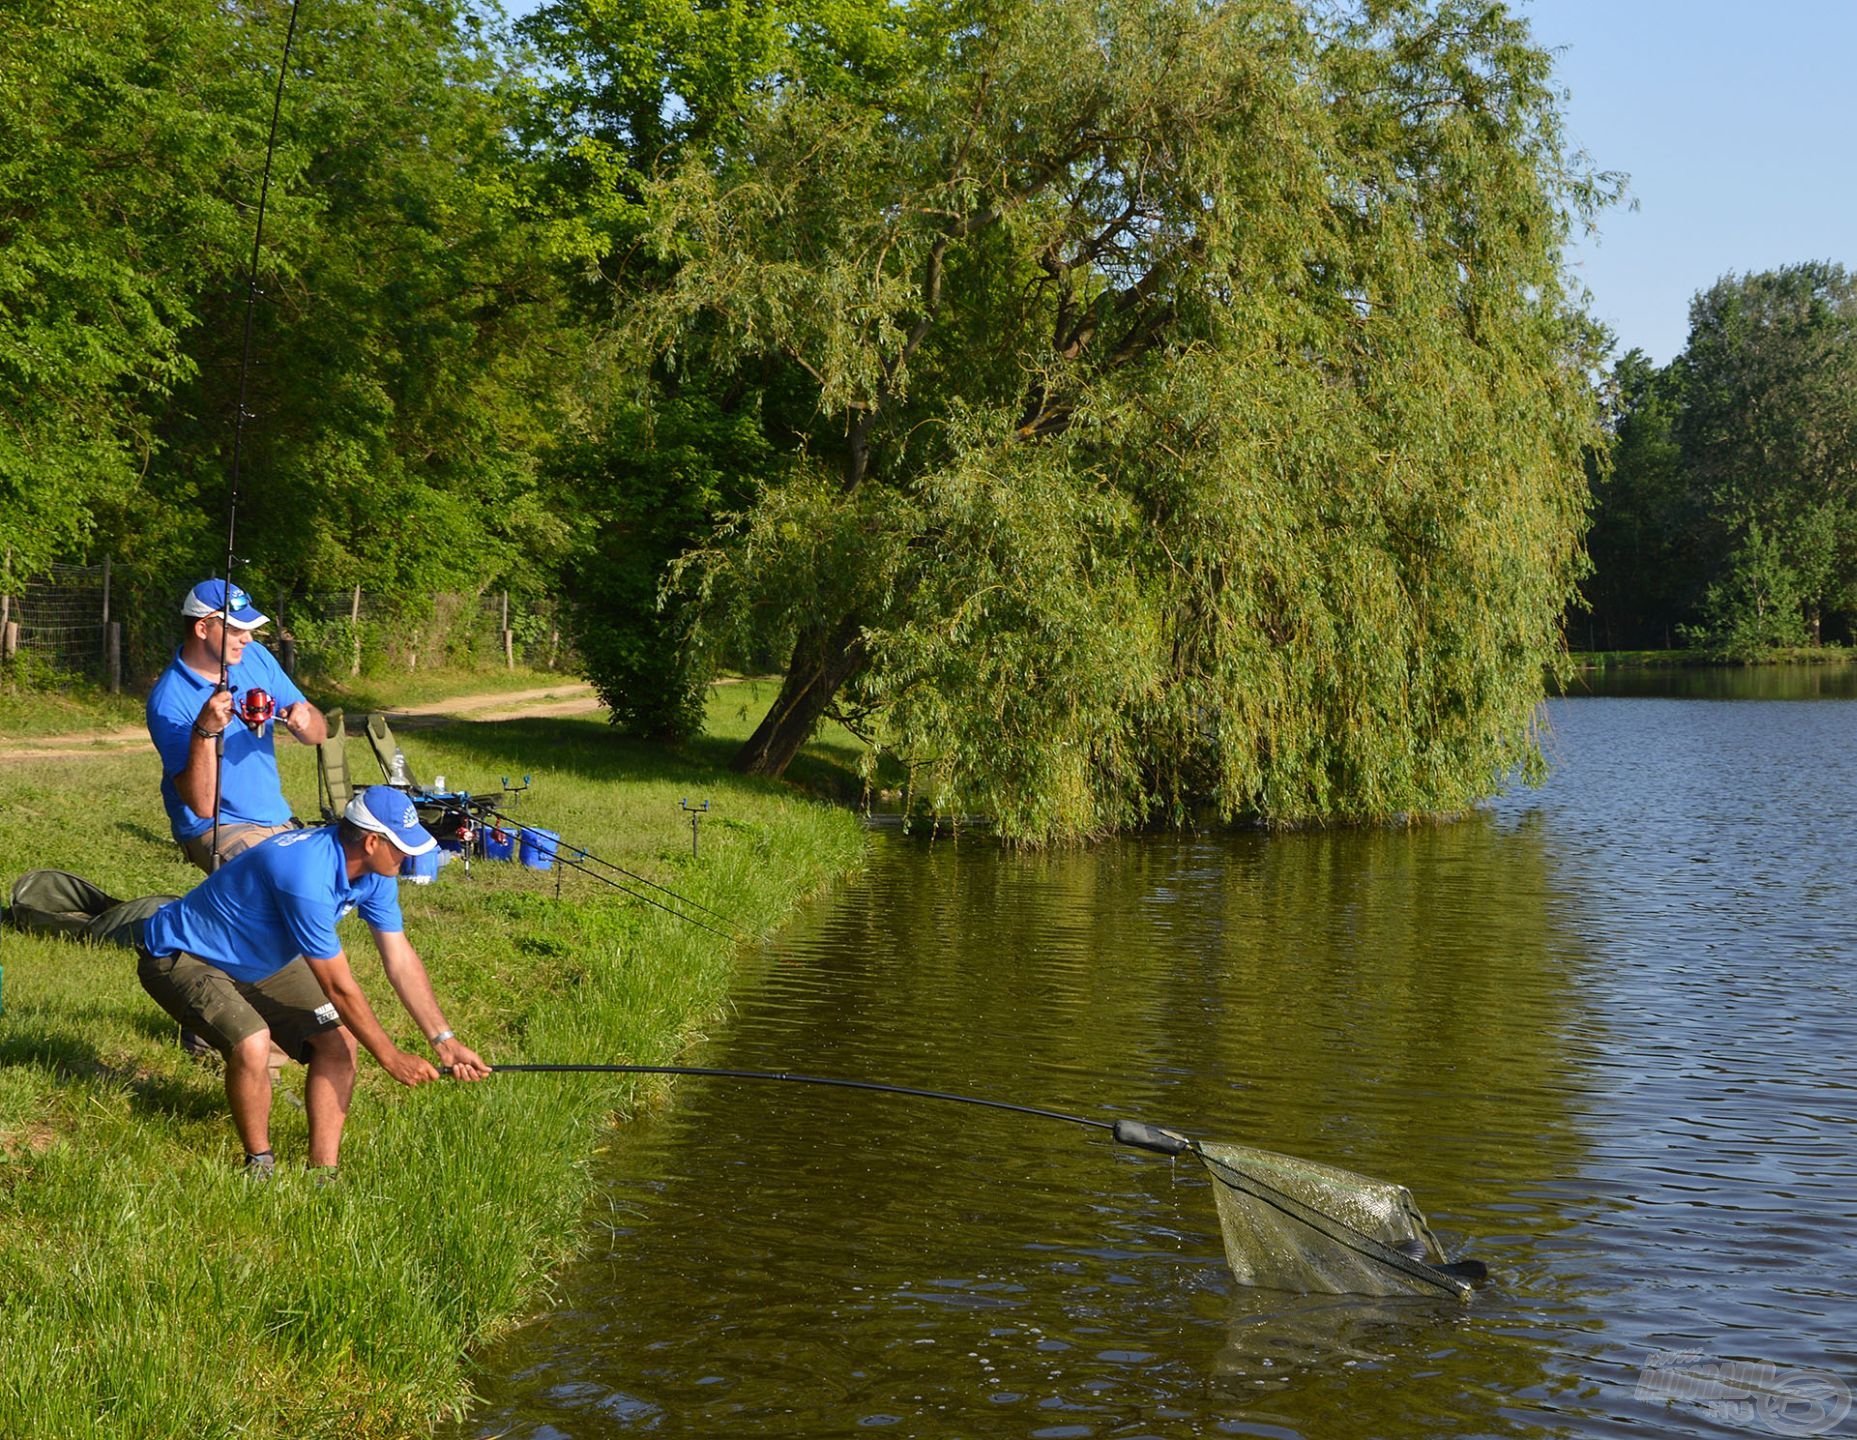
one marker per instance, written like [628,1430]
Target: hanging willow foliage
[1198,403]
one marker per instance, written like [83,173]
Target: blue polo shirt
[274,902]
[249,790]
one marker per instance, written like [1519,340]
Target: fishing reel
[256,710]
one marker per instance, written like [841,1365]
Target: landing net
[1302,1226]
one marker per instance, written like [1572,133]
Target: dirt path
[570,697]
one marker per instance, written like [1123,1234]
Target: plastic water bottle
[396,776]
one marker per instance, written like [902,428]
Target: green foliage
[1730,513]
[1769,437]
[405,386]
[102,253]
[408,352]
[1646,529]
[1755,606]
[658,477]
[1196,407]
[626,91]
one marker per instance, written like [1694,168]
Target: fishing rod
[587,855]
[239,416]
[1129,1132]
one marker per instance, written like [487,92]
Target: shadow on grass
[147,834]
[70,1060]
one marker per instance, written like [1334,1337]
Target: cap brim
[362,818]
[401,846]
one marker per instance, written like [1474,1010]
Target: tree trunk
[822,661]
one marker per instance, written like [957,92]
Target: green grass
[146,1289]
[32,712]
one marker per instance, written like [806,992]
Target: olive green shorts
[224,1011]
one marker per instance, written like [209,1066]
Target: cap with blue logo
[382,810]
[208,598]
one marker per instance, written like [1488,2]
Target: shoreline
[1680,659]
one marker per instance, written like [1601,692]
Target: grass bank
[147,1289]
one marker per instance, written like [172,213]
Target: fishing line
[239,415]
[837,1082]
[560,858]
[583,854]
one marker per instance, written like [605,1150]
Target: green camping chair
[334,787]
[385,747]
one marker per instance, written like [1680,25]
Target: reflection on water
[1720,682]
[1601,1030]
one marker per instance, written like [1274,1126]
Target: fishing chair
[334,787]
[443,815]
[385,747]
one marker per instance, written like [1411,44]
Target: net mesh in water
[1298,1225]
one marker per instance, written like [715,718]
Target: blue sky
[1736,122]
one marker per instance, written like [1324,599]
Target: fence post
[6,589]
[509,641]
[113,655]
[354,630]
[109,668]
[9,640]
[287,654]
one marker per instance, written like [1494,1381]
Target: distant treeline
[1120,411]
[1725,509]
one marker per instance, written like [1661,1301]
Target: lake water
[1603,1030]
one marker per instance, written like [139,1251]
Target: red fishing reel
[256,710]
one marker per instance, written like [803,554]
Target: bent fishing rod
[1135,1133]
[239,415]
[1128,1132]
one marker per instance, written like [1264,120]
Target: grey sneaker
[261,1166]
[323,1176]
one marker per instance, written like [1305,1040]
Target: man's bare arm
[407,974]
[351,1003]
[306,722]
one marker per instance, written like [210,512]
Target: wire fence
[339,632]
[60,623]
[80,621]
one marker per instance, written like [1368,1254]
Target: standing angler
[188,711]
[251,955]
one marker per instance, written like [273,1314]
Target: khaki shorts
[224,1011]
[233,840]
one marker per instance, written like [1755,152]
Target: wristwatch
[440,1038]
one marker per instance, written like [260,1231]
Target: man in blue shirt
[251,955]
[187,713]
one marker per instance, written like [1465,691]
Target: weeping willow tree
[1193,403]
